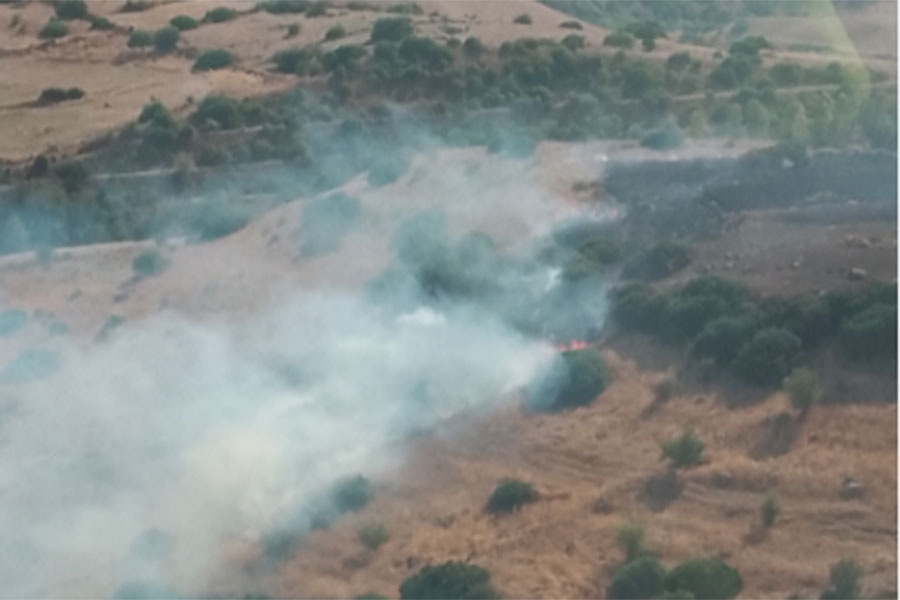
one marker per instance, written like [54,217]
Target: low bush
[294,60]
[573,42]
[571,25]
[665,389]
[213,59]
[136,5]
[53,30]
[705,578]
[71,9]
[663,138]
[575,378]
[630,538]
[871,332]
[641,579]
[391,29]
[281,7]
[140,39]
[54,95]
[335,32]
[165,39]
[101,24]
[221,111]
[722,339]
[619,39]
[843,581]
[147,263]
[457,580]
[683,451]
[473,47]
[220,14]
[183,22]
[372,535]
[157,114]
[351,494]
[405,8]
[592,257]
[509,496]
[523,19]
[318,9]
[768,357]
[804,388]
[293,30]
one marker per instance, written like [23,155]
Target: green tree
[391,29]
[804,388]
[165,39]
[183,22]
[707,578]
[683,451]
[453,579]
[140,39]
[213,59]
[769,511]
[510,495]
[619,39]
[71,9]
[641,579]
[54,29]
[630,538]
[756,117]
[373,535]
[844,581]
[769,356]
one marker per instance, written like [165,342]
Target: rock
[857,274]
[851,488]
[722,479]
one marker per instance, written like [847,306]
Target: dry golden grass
[560,548]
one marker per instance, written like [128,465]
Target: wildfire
[572,345]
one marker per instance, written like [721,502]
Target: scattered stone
[851,488]
[722,479]
[857,274]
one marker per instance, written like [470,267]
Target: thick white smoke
[211,434]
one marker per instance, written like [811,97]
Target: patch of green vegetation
[53,29]
[640,579]
[11,321]
[619,39]
[843,581]
[683,451]
[373,535]
[458,580]
[523,19]
[769,511]
[576,378]
[136,5]
[281,7]
[210,60]
[592,257]
[148,263]
[220,14]
[630,538]
[140,39]
[165,39]
[183,22]
[705,578]
[803,388]
[509,496]
[101,24]
[71,9]
[335,32]
[391,29]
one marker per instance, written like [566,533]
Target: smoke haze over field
[144,457]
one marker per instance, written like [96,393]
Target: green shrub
[619,39]
[147,263]
[630,538]
[156,113]
[293,30]
[678,61]
[647,32]
[473,47]
[406,8]
[213,59]
[372,535]
[165,39]
[280,7]
[457,580]
[665,389]
[140,39]
[769,357]
[351,493]
[683,451]
[641,579]
[662,260]
[769,511]
[722,339]
[523,19]
[293,60]
[318,9]
[218,109]
[804,388]
[101,24]
[213,220]
[871,333]
[705,578]
[54,29]
[509,496]
[843,581]
[73,175]
[591,257]
[183,22]
[663,138]
[54,95]
[576,378]
[370,595]
[571,25]
[136,5]
[391,29]
[573,42]
[71,9]
[211,156]
[11,321]
[335,32]
[220,14]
